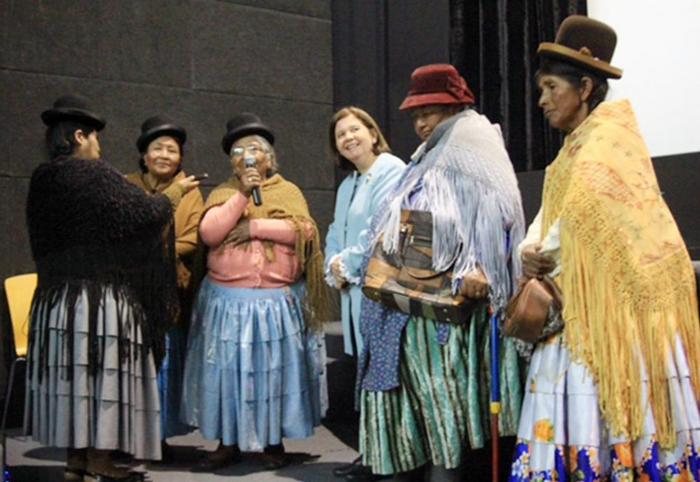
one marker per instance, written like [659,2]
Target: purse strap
[553,289]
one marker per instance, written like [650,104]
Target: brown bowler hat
[584,42]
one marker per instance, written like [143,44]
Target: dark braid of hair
[60,137]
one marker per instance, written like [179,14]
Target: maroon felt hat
[437,84]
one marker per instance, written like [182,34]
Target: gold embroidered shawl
[284,200]
[627,279]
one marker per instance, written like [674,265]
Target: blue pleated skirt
[253,374]
[117,406]
[170,383]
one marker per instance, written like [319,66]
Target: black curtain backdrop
[494,43]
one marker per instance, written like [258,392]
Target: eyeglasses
[237,152]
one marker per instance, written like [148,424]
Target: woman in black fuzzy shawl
[106,295]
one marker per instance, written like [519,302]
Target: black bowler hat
[158,126]
[245,124]
[72,107]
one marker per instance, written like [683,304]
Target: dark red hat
[437,84]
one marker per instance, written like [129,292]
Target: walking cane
[495,394]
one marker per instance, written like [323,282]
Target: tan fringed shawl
[627,279]
[283,200]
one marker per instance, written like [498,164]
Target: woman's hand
[475,285]
[337,272]
[240,234]
[536,265]
[249,179]
[188,183]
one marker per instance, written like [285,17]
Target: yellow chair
[19,291]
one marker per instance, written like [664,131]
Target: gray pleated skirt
[117,407]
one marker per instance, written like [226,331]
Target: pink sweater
[247,266]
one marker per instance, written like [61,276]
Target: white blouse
[550,243]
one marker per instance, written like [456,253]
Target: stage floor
[333,444]
[31,462]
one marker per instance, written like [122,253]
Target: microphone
[257,197]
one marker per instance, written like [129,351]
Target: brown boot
[101,467]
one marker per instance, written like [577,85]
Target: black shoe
[121,457]
[274,457]
[132,476]
[166,454]
[363,473]
[222,457]
[71,474]
[275,461]
[344,470]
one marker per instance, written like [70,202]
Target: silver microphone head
[250,161]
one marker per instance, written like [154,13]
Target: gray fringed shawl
[464,177]
[468,184]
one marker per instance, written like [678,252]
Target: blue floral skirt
[253,374]
[563,436]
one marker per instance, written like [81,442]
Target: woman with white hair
[254,371]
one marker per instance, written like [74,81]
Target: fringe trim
[291,201]
[308,252]
[617,337]
[628,284]
[47,299]
[476,207]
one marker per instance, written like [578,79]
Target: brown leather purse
[406,280]
[528,310]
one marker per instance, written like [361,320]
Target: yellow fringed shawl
[627,278]
[283,200]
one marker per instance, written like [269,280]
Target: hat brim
[434,98]
[571,56]
[246,130]
[172,130]
[52,116]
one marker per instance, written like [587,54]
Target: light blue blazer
[358,198]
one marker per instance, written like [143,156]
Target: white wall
[658,48]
